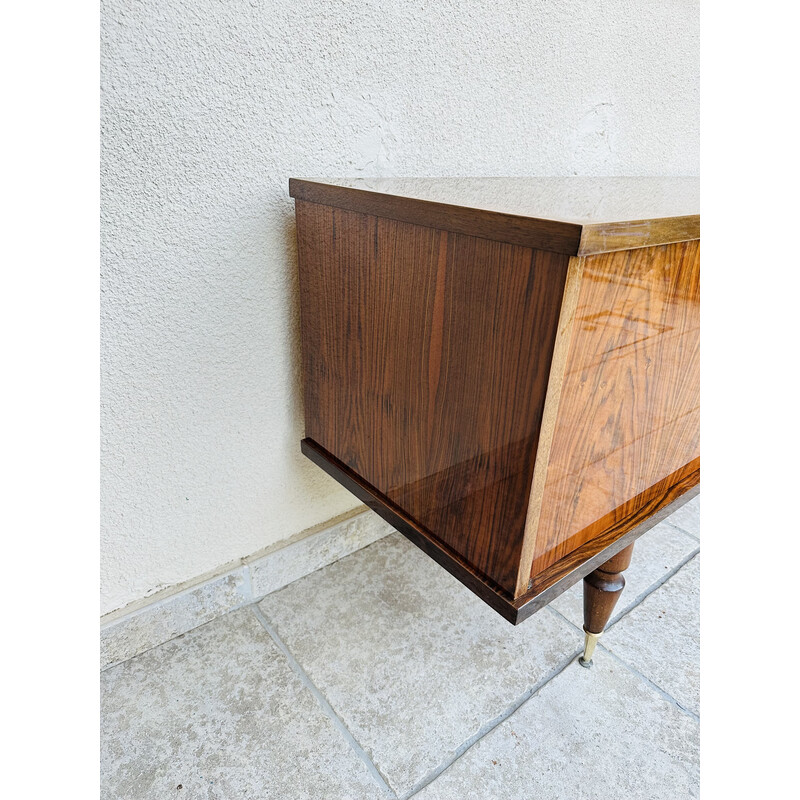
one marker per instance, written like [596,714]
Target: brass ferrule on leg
[588,648]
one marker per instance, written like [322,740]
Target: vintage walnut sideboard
[506,369]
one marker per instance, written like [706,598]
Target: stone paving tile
[587,734]
[412,662]
[156,624]
[218,714]
[661,637]
[282,567]
[687,517]
[655,554]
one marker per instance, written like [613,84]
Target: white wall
[209,106]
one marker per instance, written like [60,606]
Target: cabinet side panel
[427,355]
[629,415]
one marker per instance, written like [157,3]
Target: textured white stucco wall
[208,107]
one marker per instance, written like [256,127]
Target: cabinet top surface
[580,215]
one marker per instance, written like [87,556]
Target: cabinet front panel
[426,357]
[629,411]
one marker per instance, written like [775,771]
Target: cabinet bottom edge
[548,585]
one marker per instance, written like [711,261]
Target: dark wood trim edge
[556,579]
[481,585]
[569,238]
[540,234]
[552,582]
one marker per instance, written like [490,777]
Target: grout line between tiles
[649,682]
[324,704]
[639,597]
[258,598]
[112,664]
[490,726]
[247,599]
[650,589]
[690,534]
[561,616]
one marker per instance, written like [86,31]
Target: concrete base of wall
[148,623]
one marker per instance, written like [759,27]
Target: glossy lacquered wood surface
[517,395]
[573,216]
[628,412]
[551,582]
[616,533]
[426,361]
[602,589]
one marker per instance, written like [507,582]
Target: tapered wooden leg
[601,590]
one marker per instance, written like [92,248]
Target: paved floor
[381,676]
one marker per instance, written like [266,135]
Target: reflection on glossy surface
[431,349]
[426,360]
[629,410]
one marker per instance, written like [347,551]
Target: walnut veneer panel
[426,359]
[628,417]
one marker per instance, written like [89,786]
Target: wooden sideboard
[506,369]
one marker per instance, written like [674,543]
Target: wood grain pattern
[482,585]
[586,223]
[618,532]
[611,236]
[629,411]
[566,322]
[426,360]
[678,489]
[543,234]
[519,412]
